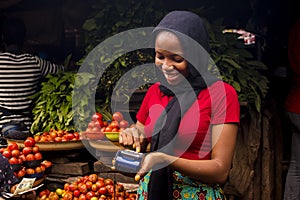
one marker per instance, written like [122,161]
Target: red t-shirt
[292,101]
[217,104]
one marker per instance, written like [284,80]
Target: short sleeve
[225,106]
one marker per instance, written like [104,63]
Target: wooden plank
[74,168]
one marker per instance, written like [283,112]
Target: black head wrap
[192,34]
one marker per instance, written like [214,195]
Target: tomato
[97,117]
[93,178]
[76,193]
[26,150]
[35,149]
[102,190]
[66,186]
[100,183]
[13,160]
[73,187]
[21,173]
[30,171]
[6,153]
[29,142]
[68,196]
[12,146]
[117,116]
[44,192]
[70,136]
[124,124]
[88,184]
[38,169]
[114,124]
[38,156]
[108,181]
[82,188]
[22,157]
[29,157]
[15,153]
[82,197]
[108,129]
[58,139]
[90,194]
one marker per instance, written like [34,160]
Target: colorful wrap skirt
[185,188]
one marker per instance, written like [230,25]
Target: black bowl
[32,163]
[35,175]
[16,167]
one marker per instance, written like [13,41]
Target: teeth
[171,75]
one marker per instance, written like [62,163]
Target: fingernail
[138,149]
[137,177]
[134,145]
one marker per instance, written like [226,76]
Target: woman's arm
[215,170]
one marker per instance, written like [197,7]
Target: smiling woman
[190,117]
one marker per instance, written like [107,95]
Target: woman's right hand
[133,136]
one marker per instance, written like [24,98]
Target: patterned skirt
[185,188]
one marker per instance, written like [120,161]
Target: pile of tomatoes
[117,123]
[20,158]
[90,187]
[57,136]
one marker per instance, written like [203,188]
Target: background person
[189,104]
[20,75]
[292,107]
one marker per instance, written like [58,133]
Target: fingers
[130,137]
[136,139]
[145,167]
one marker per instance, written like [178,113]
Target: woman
[190,117]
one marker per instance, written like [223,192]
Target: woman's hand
[134,136]
[153,161]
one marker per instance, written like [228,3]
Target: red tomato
[97,117]
[13,160]
[30,171]
[123,124]
[93,178]
[35,149]
[114,124]
[29,157]
[6,153]
[38,156]
[21,173]
[29,142]
[15,153]
[26,150]
[117,116]
[12,146]
[108,181]
[102,190]
[108,129]
[76,193]
[90,194]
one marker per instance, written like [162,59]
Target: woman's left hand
[150,160]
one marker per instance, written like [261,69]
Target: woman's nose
[167,65]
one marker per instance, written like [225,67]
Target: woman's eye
[178,60]
[160,57]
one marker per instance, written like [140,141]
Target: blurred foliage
[236,63]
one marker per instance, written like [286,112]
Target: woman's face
[169,57]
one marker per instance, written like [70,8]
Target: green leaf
[89,25]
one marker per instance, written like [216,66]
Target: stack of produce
[98,128]
[90,187]
[26,161]
[57,136]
